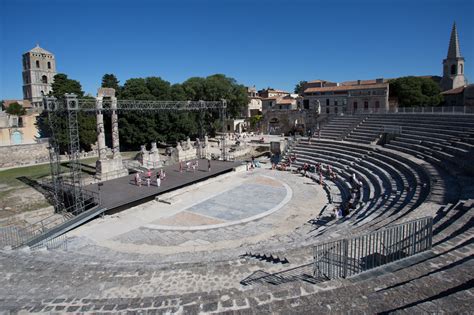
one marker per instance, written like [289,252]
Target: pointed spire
[454,51]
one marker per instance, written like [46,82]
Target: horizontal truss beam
[90,105]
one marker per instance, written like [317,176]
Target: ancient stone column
[115,130]
[100,130]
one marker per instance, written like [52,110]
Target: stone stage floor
[220,214]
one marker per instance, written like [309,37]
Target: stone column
[115,130]
[100,130]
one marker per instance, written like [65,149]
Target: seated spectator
[339,213]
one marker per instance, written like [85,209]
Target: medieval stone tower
[453,65]
[39,69]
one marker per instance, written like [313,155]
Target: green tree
[109,80]
[15,109]
[415,91]
[299,88]
[159,88]
[86,122]
[255,120]
[62,85]
[177,93]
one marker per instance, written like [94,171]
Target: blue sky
[263,43]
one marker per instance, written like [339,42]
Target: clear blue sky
[262,43]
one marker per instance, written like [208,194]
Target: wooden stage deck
[122,193]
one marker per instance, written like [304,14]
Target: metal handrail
[352,255]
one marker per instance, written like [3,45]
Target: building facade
[453,65]
[355,96]
[254,107]
[39,69]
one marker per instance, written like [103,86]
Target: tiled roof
[285,101]
[24,103]
[346,88]
[40,50]
[362,82]
[454,91]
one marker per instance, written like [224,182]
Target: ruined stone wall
[23,154]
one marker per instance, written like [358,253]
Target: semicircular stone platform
[251,200]
[221,215]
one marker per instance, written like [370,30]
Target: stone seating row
[369,130]
[378,183]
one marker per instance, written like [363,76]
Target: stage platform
[122,193]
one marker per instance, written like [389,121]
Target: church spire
[454,50]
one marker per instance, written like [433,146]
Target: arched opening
[49,65]
[274,126]
[37,64]
[453,69]
[44,79]
[17,137]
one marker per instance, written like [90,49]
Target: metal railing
[16,236]
[59,242]
[347,257]
[437,110]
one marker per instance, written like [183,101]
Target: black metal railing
[349,256]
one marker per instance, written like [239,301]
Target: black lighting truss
[71,105]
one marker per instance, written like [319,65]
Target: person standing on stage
[158,180]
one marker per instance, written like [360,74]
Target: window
[335,103]
[327,101]
[327,110]
[453,69]
[37,64]
[335,110]
[49,65]
[44,79]
[355,105]
[460,68]
[306,104]
[366,105]
[377,104]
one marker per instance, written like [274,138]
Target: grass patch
[36,172]
[9,177]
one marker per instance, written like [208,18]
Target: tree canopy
[299,88]
[87,122]
[62,85]
[138,128]
[15,109]
[111,81]
[415,91]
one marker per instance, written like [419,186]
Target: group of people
[349,204]
[284,165]
[147,178]
[320,169]
[142,178]
[346,206]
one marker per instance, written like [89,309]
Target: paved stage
[120,193]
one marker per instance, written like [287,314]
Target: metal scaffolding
[71,106]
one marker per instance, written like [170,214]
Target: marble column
[115,130]
[100,130]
